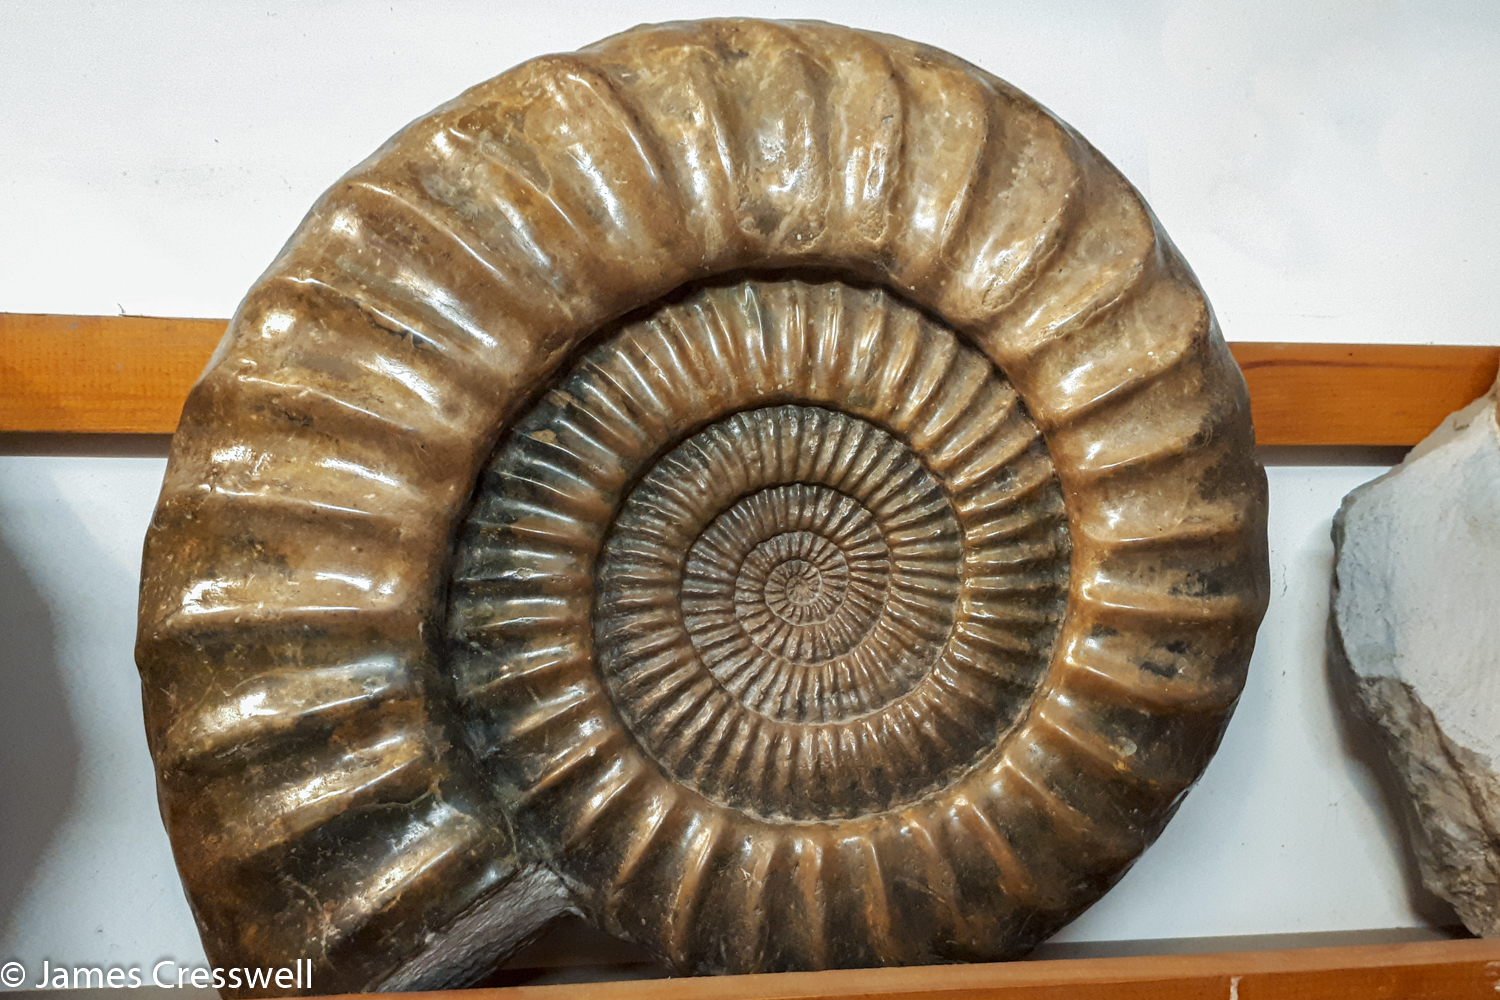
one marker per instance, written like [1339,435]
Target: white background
[1327,168]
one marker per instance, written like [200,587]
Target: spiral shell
[799,612]
[775,479]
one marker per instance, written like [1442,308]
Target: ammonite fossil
[769,488]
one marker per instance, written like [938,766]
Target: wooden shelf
[130,374]
[100,374]
[1429,969]
[1359,394]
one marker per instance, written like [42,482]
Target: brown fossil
[770,488]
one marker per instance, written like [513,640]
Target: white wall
[1326,168]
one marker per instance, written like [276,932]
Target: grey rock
[1415,637]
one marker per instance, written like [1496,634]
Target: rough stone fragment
[1416,631]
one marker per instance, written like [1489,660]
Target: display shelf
[1359,394]
[1426,969]
[99,374]
[130,374]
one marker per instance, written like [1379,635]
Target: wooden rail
[100,374]
[1370,972]
[130,374]
[1360,394]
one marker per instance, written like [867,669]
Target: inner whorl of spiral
[822,587]
[797,546]
[791,575]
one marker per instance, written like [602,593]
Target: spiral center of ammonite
[806,557]
[792,586]
[781,590]
[798,579]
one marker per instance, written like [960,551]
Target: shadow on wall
[39,750]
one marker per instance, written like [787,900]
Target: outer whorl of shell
[884,618]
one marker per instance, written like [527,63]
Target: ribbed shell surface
[343,762]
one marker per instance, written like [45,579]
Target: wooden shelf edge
[131,374]
[100,374]
[1418,969]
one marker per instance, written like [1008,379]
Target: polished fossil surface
[769,488]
